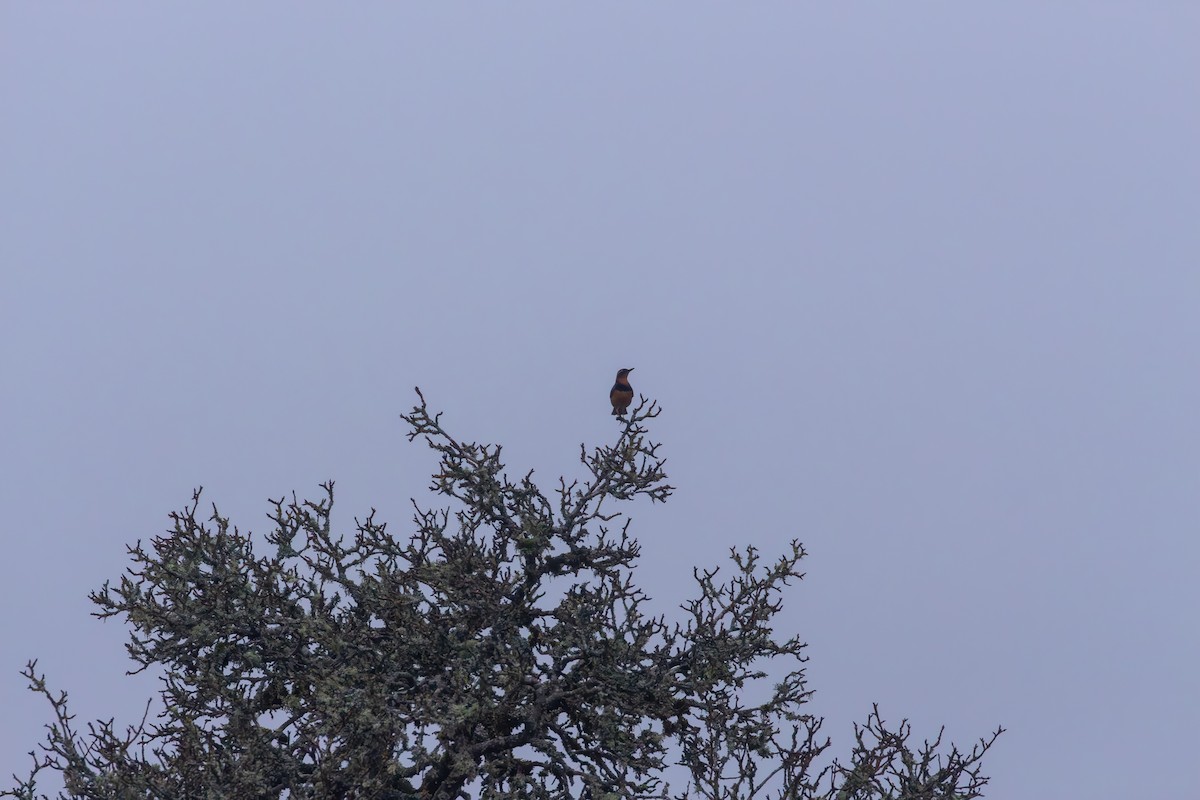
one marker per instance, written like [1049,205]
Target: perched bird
[622,393]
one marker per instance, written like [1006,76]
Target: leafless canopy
[502,650]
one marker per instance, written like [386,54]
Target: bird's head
[622,374]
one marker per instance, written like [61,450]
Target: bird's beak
[630,369]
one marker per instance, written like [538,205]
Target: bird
[621,394]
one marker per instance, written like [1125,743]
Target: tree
[500,651]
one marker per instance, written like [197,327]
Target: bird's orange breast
[621,395]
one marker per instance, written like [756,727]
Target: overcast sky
[918,284]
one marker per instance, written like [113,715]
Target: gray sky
[915,284]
